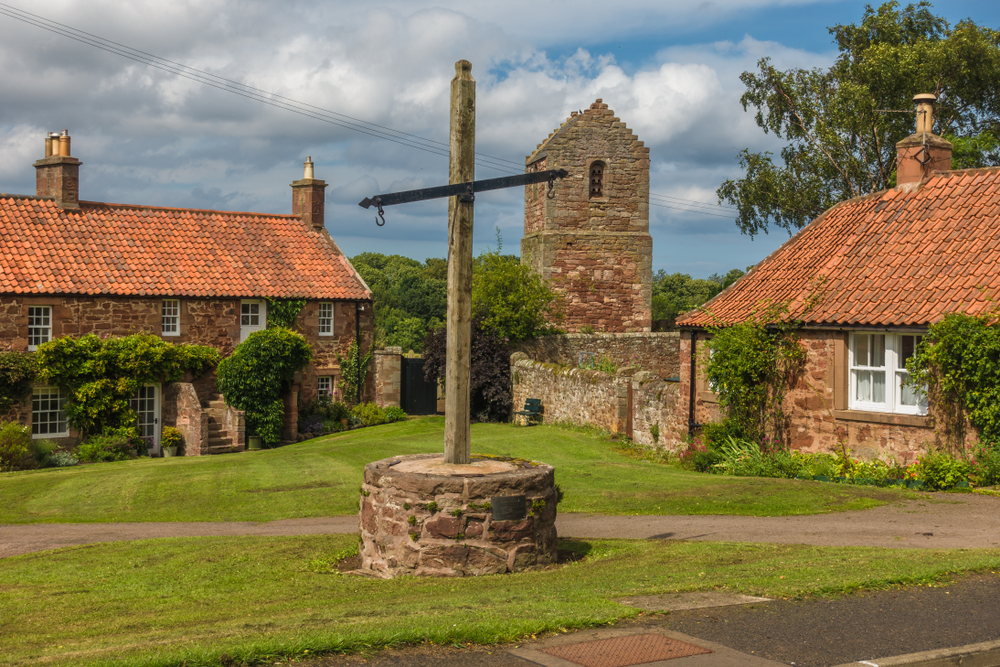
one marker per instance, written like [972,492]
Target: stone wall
[187,416]
[656,352]
[819,418]
[594,249]
[388,376]
[638,405]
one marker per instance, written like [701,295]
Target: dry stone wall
[638,405]
[654,352]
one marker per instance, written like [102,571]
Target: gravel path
[942,521]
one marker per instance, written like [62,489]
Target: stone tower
[591,240]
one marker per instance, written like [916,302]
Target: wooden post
[459,323]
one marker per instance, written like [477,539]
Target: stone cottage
[866,279]
[70,267]
[590,241]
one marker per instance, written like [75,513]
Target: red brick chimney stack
[57,175]
[308,197]
[923,152]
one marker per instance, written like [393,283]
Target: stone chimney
[923,152]
[308,197]
[57,175]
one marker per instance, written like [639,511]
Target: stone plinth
[422,516]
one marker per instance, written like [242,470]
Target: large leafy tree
[840,138]
[409,296]
[511,299]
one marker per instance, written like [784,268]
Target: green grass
[160,602]
[321,477]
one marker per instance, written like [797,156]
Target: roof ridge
[190,210]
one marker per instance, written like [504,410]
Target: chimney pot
[308,172]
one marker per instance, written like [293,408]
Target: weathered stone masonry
[591,240]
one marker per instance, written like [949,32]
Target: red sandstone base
[421,516]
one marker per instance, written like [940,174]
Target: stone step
[216,404]
[219,442]
[214,426]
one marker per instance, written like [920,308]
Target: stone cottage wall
[212,322]
[819,419]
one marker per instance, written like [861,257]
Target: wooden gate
[417,395]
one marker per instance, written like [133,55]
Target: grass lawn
[198,600]
[321,477]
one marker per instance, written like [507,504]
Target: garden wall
[654,352]
[638,405]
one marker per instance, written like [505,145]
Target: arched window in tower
[596,179]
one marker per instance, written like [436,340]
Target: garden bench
[532,412]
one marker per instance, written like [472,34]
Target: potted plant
[254,442]
[171,441]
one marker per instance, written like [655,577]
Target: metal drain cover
[624,651]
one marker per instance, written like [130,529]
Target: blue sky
[669,69]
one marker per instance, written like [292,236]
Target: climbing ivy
[17,372]
[101,375]
[958,365]
[282,313]
[751,366]
[258,374]
[353,369]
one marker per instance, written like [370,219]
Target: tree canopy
[409,296]
[511,299]
[839,122]
[676,293]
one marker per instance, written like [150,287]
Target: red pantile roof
[115,249]
[894,258]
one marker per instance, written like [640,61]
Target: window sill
[882,418]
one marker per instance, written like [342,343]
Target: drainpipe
[357,341]
[692,424]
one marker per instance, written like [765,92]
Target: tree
[511,299]
[840,141]
[409,297]
[489,388]
[676,293]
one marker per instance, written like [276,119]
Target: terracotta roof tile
[891,258]
[146,251]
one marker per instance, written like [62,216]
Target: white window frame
[39,326]
[324,386]
[55,417]
[253,317]
[892,368]
[170,317]
[325,318]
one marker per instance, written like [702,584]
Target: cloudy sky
[355,72]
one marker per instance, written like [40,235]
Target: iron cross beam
[464,190]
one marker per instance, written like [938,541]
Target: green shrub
[368,414]
[15,447]
[17,373]
[62,459]
[940,471]
[751,366]
[258,374]
[394,413]
[987,465]
[171,437]
[747,458]
[42,451]
[817,465]
[112,445]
